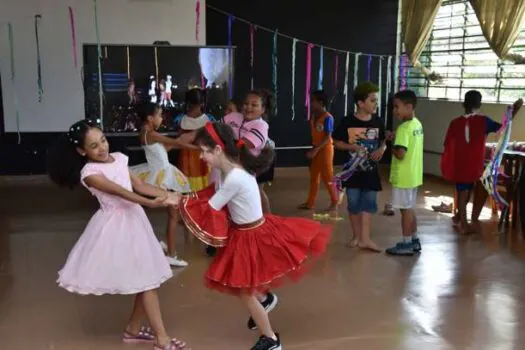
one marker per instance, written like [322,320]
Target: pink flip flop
[174,344]
[145,335]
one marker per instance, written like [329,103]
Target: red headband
[215,137]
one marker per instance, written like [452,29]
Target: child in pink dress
[118,252]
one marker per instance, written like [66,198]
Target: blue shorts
[361,201]
[464,186]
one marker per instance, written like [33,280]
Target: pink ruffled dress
[118,252]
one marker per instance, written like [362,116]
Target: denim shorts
[464,186]
[361,201]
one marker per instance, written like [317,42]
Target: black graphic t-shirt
[369,134]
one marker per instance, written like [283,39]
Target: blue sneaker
[402,248]
[416,244]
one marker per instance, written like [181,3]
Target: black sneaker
[265,343]
[269,304]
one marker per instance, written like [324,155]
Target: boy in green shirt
[406,173]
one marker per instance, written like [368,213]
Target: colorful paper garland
[274,72]
[321,69]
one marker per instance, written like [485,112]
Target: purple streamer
[403,67]
[369,68]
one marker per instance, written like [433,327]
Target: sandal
[145,335]
[174,344]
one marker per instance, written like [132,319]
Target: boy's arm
[400,147]
[341,139]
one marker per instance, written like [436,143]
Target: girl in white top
[159,172]
[256,251]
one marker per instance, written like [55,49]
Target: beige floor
[460,293]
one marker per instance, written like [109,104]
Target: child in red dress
[257,251]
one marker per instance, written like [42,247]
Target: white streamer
[347,65]
[356,73]
[294,45]
[389,77]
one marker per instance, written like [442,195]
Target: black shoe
[210,251]
[269,304]
[265,343]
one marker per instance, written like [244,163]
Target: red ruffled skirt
[257,258]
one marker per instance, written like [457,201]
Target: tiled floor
[460,293]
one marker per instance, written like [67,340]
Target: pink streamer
[308,77]
[73,35]
[336,71]
[197,19]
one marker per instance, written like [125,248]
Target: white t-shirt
[240,192]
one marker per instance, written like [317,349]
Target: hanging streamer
[128,62]
[294,47]
[156,51]
[308,77]
[230,57]
[321,68]
[13,77]
[99,53]
[73,35]
[336,72]
[347,66]
[197,19]
[252,51]
[389,78]
[356,72]
[380,85]
[38,59]
[369,73]
[403,67]
[356,69]
[274,72]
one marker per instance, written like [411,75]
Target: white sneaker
[176,261]
[164,246]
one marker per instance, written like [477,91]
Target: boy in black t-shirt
[363,136]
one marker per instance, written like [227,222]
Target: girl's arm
[170,142]
[146,189]
[101,183]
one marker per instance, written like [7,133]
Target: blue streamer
[321,69]
[274,71]
[230,57]
[38,60]
[369,67]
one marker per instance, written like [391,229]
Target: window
[458,51]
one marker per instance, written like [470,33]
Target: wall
[364,26]
[436,116]
[120,22]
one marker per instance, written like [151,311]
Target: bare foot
[369,245]
[476,226]
[466,229]
[353,243]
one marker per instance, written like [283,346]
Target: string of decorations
[309,47]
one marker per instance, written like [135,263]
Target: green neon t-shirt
[408,172]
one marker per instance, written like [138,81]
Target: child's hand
[377,154]
[311,153]
[159,202]
[517,106]
[173,199]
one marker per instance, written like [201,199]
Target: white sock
[407,239]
